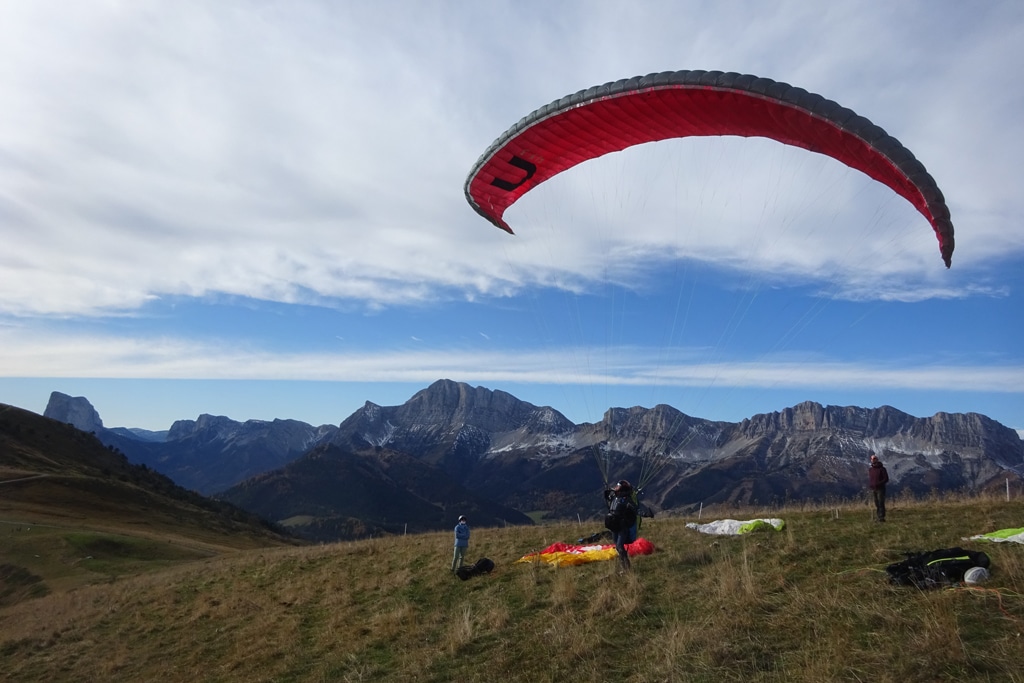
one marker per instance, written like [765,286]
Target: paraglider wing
[677,104]
[567,555]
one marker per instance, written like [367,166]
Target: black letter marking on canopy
[518,163]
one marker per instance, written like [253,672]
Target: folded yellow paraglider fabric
[735,527]
[566,555]
[1002,536]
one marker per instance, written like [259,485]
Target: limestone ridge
[532,457]
[529,457]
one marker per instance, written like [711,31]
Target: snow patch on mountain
[382,438]
[549,445]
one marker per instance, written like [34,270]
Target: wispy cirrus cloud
[168,358]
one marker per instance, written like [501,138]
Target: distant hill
[332,493]
[208,454]
[52,473]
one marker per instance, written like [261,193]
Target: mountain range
[455,449]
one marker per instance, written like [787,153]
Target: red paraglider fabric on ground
[566,554]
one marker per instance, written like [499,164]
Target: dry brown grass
[809,603]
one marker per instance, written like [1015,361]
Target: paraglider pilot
[878,477]
[461,542]
[621,519]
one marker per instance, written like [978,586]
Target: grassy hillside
[73,513]
[810,603]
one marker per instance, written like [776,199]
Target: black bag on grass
[935,568]
[482,566]
[605,535]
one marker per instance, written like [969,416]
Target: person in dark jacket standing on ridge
[878,477]
[621,519]
[461,543]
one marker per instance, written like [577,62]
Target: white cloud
[317,151]
[168,358]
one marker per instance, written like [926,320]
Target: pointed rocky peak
[371,411]
[443,391]
[454,404]
[550,419]
[76,411]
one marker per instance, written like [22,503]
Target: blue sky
[256,209]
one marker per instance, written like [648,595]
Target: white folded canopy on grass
[735,527]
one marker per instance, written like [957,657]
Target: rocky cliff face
[966,451]
[533,458]
[453,425]
[75,411]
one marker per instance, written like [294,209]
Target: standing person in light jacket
[878,477]
[461,542]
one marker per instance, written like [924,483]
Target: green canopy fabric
[1002,536]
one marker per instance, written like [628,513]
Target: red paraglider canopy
[676,104]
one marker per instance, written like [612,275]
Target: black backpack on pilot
[621,515]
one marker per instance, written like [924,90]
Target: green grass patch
[117,555]
[538,516]
[297,521]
